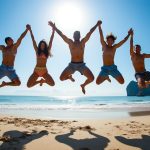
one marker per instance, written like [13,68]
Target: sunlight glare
[69,15]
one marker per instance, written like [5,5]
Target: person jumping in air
[77,56]
[109,50]
[43,51]
[8,59]
[142,76]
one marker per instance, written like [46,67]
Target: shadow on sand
[15,140]
[97,143]
[143,143]
[140,113]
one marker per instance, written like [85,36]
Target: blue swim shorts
[8,71]
[109,70]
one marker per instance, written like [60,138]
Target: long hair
[45,51]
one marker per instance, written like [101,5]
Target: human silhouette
[19,140]
[143,143]
[97,143]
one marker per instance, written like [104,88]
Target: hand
[130,32]
[53,28]
[99,22]
[72,132]
[28,27]
[51,24]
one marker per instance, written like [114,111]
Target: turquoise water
[72,107]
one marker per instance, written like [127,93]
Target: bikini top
[42,56]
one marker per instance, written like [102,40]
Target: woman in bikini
[43,51]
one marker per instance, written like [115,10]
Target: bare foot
[83,88]
[3,84]
[42,81]
[108,79]
[71,78]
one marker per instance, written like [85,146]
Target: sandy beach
[132,133]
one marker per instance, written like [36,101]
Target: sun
[69,15]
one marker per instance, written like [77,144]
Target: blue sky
[117,16]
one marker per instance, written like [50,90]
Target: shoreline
[76,114]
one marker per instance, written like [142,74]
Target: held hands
[130,32]
[28,27]
[99,22]
[51,24]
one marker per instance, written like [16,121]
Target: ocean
[87,107]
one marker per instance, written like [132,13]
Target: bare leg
[120,79]
[101,79]
[67,74]
[33,80]
[15,82]
[141,83]
[90,78]
[147,83]
[48,79]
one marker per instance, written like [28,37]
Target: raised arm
[33,39]
[146,55]
[87,37]
[131,44]
[101,35]
[99,136]
[2,47]
[65,137]
[51,41]
[124,40]
[21,37]
[64,37]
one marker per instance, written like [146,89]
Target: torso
[138,63]
[108,55]
[41,60]
[9,55]
[77,51]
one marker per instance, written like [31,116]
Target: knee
[62,78]
[29,85]
[121,81]
[97,81]
[141,84]
[53,84]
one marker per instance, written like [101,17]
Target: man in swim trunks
[109,50]
[77,56]
[9,54]
[142,76]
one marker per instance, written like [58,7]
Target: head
[9,41]
[110,39]
[137,49]
[76,35]
[43,48]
